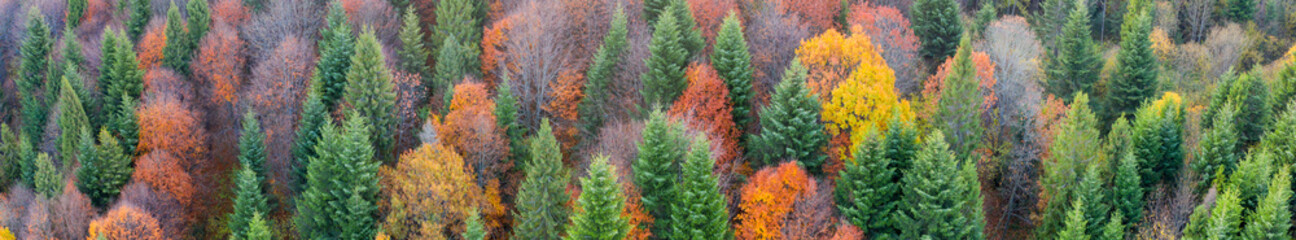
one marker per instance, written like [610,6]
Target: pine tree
[178,48]
[691,36]
[506,118]
[199,16]
[314,116]
[457,19]
[126,127]
[1114,230]
[47,180]
[959,111]
[1050,21]
[17,156]
[790,127]
[1135,79]
[937,25]
[474,229]
[249,202]
[371,94]
[1272,218]
[1075,222]
[336,45]
[72,121]
[598,214]
[598,78]
[542,197]
[1226,217]
[258,228]
[699,210]
[866,190]
[413,55]
[655,170]
[1157,139]
[1240,10]
[450,69]
[341,184]
[1217,149]
[75,10]
[732,61]
[140,13]
[252,148]
[937,200]
[1128,195]
[33,60]
[1249,96]
[664,80]
[104,169]
[1076,64]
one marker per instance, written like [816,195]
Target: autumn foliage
[832,57]
[162,171]
[889,30]
[149,48]
[768,198]
[220,63]
[820,14]
[167,124]
[430,191]
[470,128]
[704,106]
[125,222]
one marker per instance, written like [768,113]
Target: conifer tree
[199,16]
[341,184]
[982,18]
[47,180]
[72,121]
[1075,222]
[506,118]
[866,190]
[371,94]
[653,9]
[1096,211]
[75,10]
[542,197]
[1075,66]
[33,60]
[665,80]
[594,107]
[252,148]
[1076,145]
[1249,96]
[1050,21]
[790,128]
[1272,218]
[1115,229]
[691,36]
[1278,142]
[104,168]
[1240,10]
[1250,178]
[413,55]
[1157,139]
[69,66]
[1197,222]
[1284,88]
[336,46]
[656,169]
[458,19]
[1128,194]
[937,25]
[1135,79]
[249,202]
[119,75]
[450,69]
[258,228]
[313,117]
[959,111]
[699,210]
[598,214]
[126,127]
[732,61]
[140,13]
[17,155]
[474,229]
[1226,217]
[178,48]
[938,195]
[1217,149]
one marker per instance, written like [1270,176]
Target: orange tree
[429,193]
[705,107]
[768,198]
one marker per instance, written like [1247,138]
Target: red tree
[492,44]
[162,171]
[230,11]
[167,124]
[71,213]
[126,221]
[704,106]
[773,37]
[820,14]
[709,14]
[220,62]
[149,47]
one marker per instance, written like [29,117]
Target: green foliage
[1157,140]
[72,121]
[341,184]
[1272,218]
[11,157]
[732,61]
[937,25]
[983,17]
[653,9]
[451,67]
[69,67]
[1197,222]
[1217,149]
[313,117]
[867,189]
[542,197]
[941,195]
[456,19]
[1075,222]
[474,229]
[199,16]
[252,148]
[1226,217]
[655,170]
[790,127]
[75,10]
[1128,194]
[1075,149]
[958,114]
[506,118]
[1076,64]
[1249,97]
[336,46]
[595,106]
[665,80]
[179,46]
[47,180]
[371,94]
[1135,77]
[258,228]
[598,214]
[1096,211]
[104,168]
[413,55]
[140,13]
[1115,229]
[249,202]
[1240,10]
[1051,19]
[1284,87]
[698,210]
[18,155]
[1250,178]
[119,79]
[34,58]
[691,36]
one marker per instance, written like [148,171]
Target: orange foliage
[492,44]
[831,57]
[433,188]
[125,222]
[709,14]
[640,220]
[819,14]
[847,232]
[564,99]
[230,11]
[1050,115]
[985,76]
[149,48]
[167,124]
[470,128]
[768,198]
[162,171]
[220,62]
[704,106]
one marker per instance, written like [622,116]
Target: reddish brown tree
[71,213]
[563,111]
[536,59]
[773,37]
[168,211]
[275,91]
[374,14]
[819,14]
[220,63]
[125,221]
[492,44]
[704,106]
[37,219]
[162,171]
[709,14]
[470,128]
[812,216]
[410,95]
[230,11]
[167,124]
[281,19]
[149,47]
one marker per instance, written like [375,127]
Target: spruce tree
[1197,222]
[314,116]
[413,55]
[699,210]
[691,36]
[790,128]
[474,229]
[72,121]
[119,74]
[598,79]
[598,214]
[939,201]
[665,80]
[653,9]
[1075,66]
[1240,10]
[199,17]
[1284,88]
[47,180]
[958,113]
[456,18]
[34,58]
[258,228]
[140,13]
[1075,148]
[732,61]
[1226,217]
[506,118]
[371,94]
[249,202]
[1096,210]
[126,127]
[341,184]
[1217,149]
[542,197]
[1075,222]
[178,49]
[982,18]
[68,66]
[1128,194]
[866,190]
[104,169]
[450,70]
[1115,229]
[1272,218]
[1050,21]
[252,148]
[1249,96]
[1250,178]
[75,10]
[655,169]
[1135,79]
[336,45]
[1157,140]
[17,156]
[901,145]
[938,27]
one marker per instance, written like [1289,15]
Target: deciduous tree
[125,221]
[705,106]
[768,198]
[220,62]
[470,128]
[889,29]
[432,187]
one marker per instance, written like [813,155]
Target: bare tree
[537,58]
[1226,44]
[275,91]
[1012,46]
[1197,18]
[281,19]
[773,37]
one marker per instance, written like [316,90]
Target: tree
[413,55]
[1217,149]
[342,184]
[818,14]
[1114,230]
[1226,217]
[1248,95]
[168,124]
[889,29]
[371,94]
[866,189]
[732,61]
[691,35]
[937,24]
[655,168]
[941,195]
[220,62]
[314,115]
[1135,79]
[458,19]
[1127,195]
[33,60]
[665,80]
[258,228]
[1076,145]
[598,209]
[1075,222]
[541,211]
[14,157]
[790,127]
[474,230]
[705,106]
[1076,65]
[698,210]
[249,203]
[599,78]
[832,58]
[1284,87]
[252,151]
[140,13]
[104,168]
[958,111]
[1240,10]
[432,190]
[336,45]
[1272,218]
[72,121]
[451,68]
[125,221]
[47,180]
[152,45]
[865,100]
[119,78]
[768,198]
[199,21]
[179,47]
[470,128]
[1156,139]
[506,118]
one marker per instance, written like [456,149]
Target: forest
[647,119]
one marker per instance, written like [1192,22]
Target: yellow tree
[865,101]
[430,193]
[832,57]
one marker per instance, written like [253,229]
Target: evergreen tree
[1075,66]
[1272,218]
[1197,222]
[75,10]
[336,45]
[1217,149]
[959,111]
[140,13]
[691,36]
[598,214]
[1250,178]
[371,94]
[72,121]
[450,69]
[69,66]
[598,78]
[732,61]
[258,228]
[901,144]
[34,54]
[1075,222]
[18,157]
[1096,211]
[790,128]
[47,180]
[1114,230]
[1157,140]
[1226,217]
[413,55]
[1240,10]
[1075,148]
[104,169]
[983,17]
[1249,96]
[866,190]
[699,210]
[665,80]
[937,25]
[458,19]
[506,118]
[938,196]
[1284,88]
[474,229]
[249,202]
[1128,195]
[1050,20]
[178,48]
[314,116]
[1135,78]
[655,169]
[252,148]
[341,184]
[199,16]
[119,76]
[126,127]
[542,198]
[653,9]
